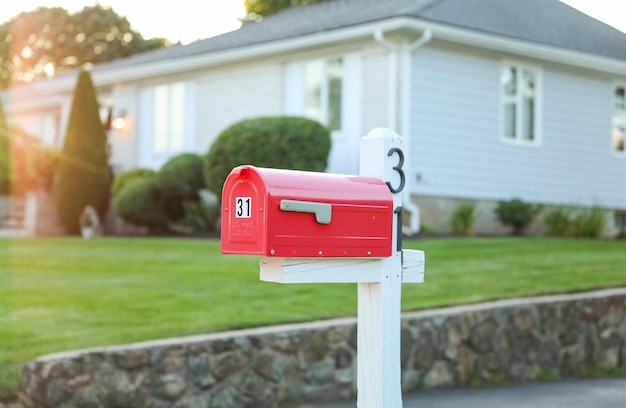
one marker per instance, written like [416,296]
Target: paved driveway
[610,393]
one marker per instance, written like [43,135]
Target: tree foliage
[257,9]
[83,173]
[40,43]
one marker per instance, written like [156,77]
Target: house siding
[375,85]
[455,135]
[228,95]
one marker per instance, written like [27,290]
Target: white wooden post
[379,280]
[378,342]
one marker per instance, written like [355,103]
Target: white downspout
[392,94]
[405,129]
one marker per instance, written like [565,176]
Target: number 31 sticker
[242,207]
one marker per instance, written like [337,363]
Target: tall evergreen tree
[83,173]
[5,153]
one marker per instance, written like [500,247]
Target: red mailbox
[290,213]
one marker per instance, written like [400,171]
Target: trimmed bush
[142,203]
[169,198]
[201,215]
[276,142]
[83,173]
[463,218]
[516,214]
[180,179]
[182,176]
[128,177]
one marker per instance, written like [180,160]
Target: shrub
[463,218]
[170,198]
[32,164]
[83,173]
[182,176]
[516,214]
[588,222]
[275,142]
[201,215]
[558,221]
[128,177]
[582,223]
[142,203]
[180,179]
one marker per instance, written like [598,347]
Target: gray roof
[548,22]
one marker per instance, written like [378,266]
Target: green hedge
[142,203]
[180,179]
[160,200]
[182,176]
[128,177]
[276,142]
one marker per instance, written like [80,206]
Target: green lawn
[62,294]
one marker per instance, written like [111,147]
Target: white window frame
[538,106]
[344,155]
[153,156]
[295,96]
[615,85]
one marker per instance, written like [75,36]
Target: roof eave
[523,48]
[440,31]
[103,77]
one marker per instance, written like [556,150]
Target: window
[519,92]
[165,122]
[619,120]
[323,82]
[169,118]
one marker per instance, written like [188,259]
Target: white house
[498,98]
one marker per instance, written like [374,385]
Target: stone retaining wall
[283,366]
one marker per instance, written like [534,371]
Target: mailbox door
[324,215]
[243,215]
[354,230]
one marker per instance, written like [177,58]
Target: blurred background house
[495,98]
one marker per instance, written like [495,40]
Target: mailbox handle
[322,211]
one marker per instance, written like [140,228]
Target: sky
[192,19]
[188,21]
